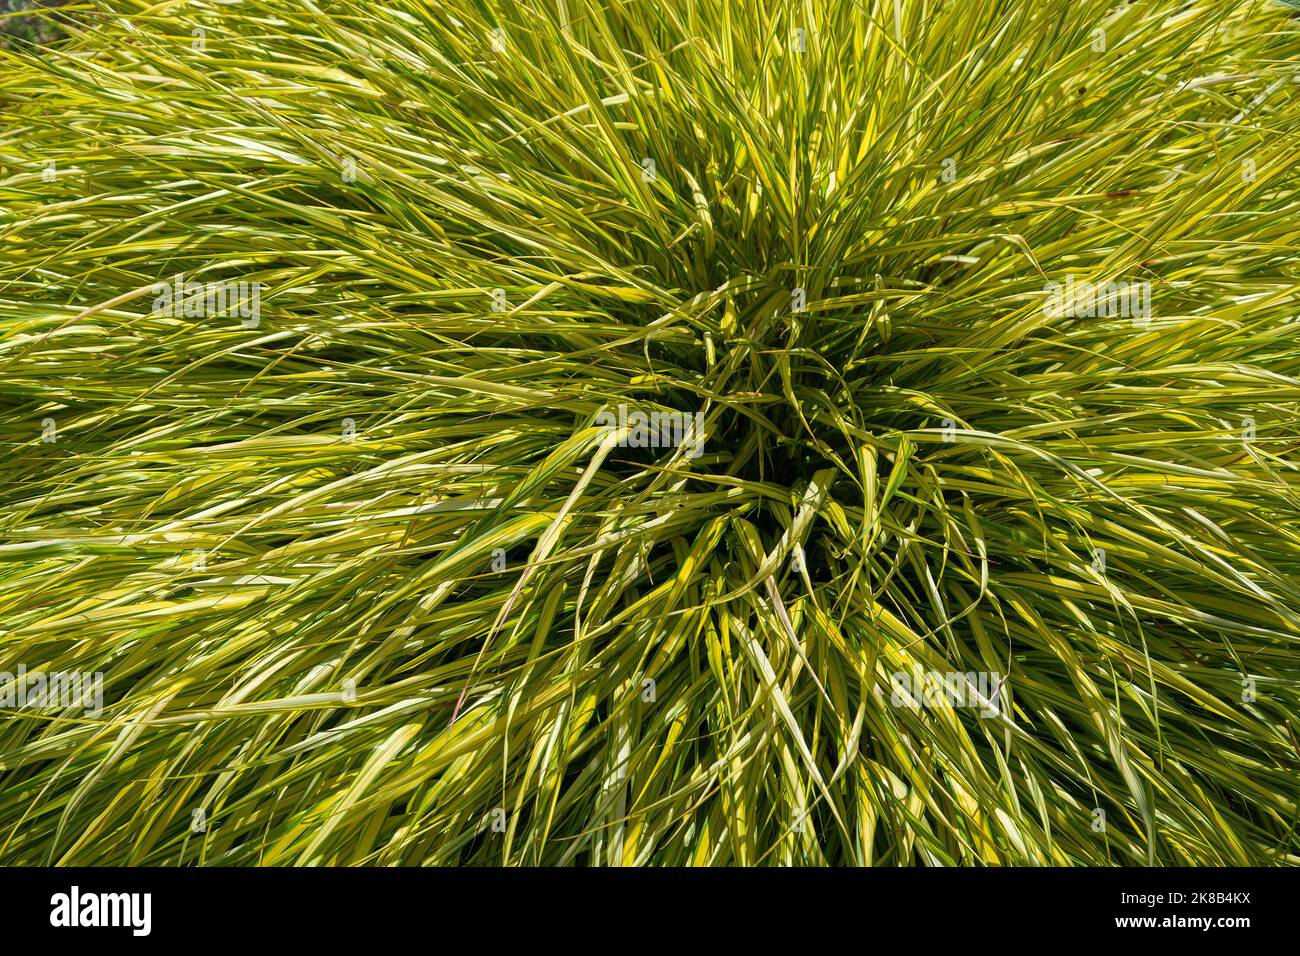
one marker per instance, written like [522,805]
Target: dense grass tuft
[371,579]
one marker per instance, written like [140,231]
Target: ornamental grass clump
[728,433]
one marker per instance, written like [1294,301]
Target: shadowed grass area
[25,22]
[377,573]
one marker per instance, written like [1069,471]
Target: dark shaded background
[27,28]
